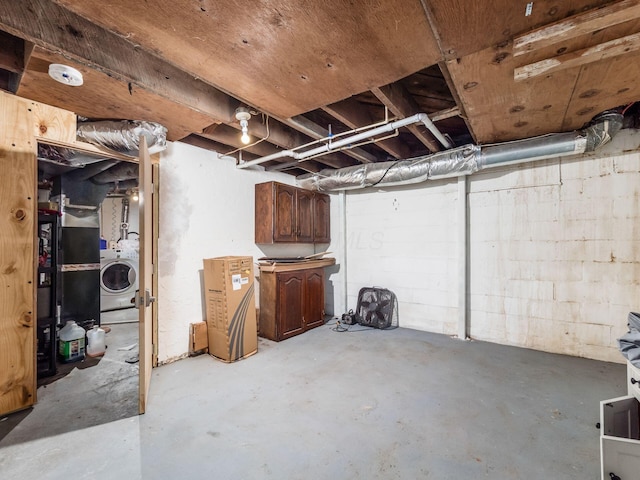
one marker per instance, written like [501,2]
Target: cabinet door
[305,216]
[290,303]
[619,441]
[314,298]
[321,226]
[285,214]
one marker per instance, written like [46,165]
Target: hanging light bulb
[243,116]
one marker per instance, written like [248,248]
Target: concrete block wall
[554,251]
[405,239]
[555,262]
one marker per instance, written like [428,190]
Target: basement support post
[343,225]
[463,257]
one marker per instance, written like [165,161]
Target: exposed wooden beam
[453,88]
[11,53]
[613,48]
[197,140]
[317,132]
[278,135]
[577,25]
[225,135]
[352,114]
[58,29]
[444,114]
[399,101]
[14,56]
[207,144]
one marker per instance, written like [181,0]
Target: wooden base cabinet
[291,302]
[620,432]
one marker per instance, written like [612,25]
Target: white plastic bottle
[71,345]
[96,342]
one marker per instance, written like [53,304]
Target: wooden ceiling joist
[613,48]
[398,100]
[317,132]
[352,114]
[577,25]
[58,29]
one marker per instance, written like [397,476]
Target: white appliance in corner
[118,279]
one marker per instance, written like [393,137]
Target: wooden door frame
[24,124]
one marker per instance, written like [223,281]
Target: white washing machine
[118,279]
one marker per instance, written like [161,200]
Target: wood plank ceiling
[485,71]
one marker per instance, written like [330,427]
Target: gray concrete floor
[360,405]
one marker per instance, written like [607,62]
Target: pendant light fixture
[243,116]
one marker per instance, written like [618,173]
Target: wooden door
[321,215]
[290,304]
[304,216]
[314,297]
[17,256]
[285,217]
[146,293]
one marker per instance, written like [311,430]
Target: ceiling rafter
[352,114]
[613,48]
[398,100]
[226,135]
[576,25]
[58,29]
[318,132]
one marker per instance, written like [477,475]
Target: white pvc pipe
[345,142]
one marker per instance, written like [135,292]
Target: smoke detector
[65,74]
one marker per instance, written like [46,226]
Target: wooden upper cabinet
[285,228]
[321,231]
[304,216]
[286,214]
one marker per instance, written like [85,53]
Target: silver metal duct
[123,135]
[466,160]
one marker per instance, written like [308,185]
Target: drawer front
[620,438]
[620,457]
[633,379]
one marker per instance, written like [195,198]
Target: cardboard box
[231,309]
[199,339]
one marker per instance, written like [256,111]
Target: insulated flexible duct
[123,136]
[466,160]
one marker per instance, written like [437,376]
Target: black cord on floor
[341,328]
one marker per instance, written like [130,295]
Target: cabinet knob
[633,381]
[613,476]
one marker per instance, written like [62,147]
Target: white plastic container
[71,346]
[96,345]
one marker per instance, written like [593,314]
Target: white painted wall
[554,251]
[206,210]
[404,239]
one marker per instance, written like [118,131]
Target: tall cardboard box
[231,308]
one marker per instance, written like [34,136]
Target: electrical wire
[384,174]
[339,327]
[627,108]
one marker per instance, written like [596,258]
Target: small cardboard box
[231,310]
[199,340]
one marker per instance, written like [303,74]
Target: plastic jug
[71,346]
[96,345]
